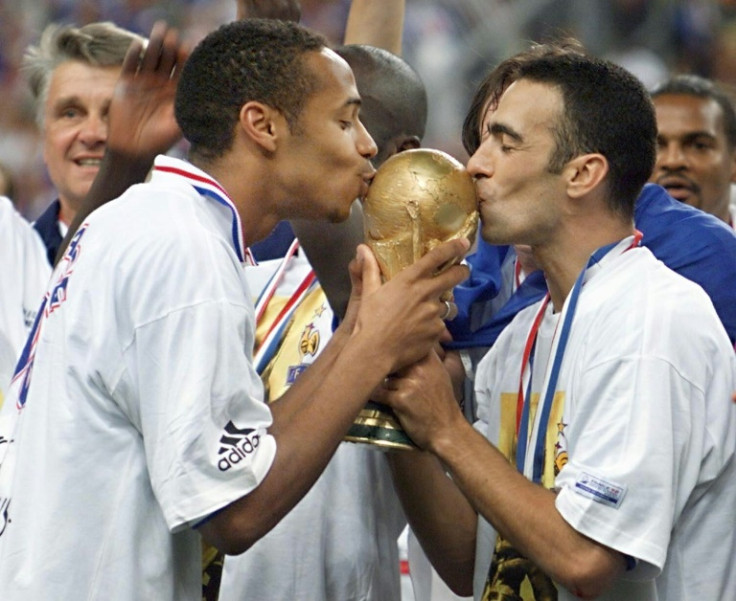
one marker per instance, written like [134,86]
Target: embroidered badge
[600,490]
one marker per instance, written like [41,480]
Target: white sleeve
[190,387]
[633,422]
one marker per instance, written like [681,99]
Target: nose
[94,130]
[479,164]
[365,144]
[671,156]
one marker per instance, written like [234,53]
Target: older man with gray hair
[72,74]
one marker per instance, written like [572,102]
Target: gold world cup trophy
[417,200]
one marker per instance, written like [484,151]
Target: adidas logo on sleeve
[236,444]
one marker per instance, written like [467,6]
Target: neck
[248,188]
[66,211]
[564,258]
[725,214]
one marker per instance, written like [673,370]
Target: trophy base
[377,425]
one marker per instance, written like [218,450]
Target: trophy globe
[418,199]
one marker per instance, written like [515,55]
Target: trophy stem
[377,425]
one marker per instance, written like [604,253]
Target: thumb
[355,270]
[371,272]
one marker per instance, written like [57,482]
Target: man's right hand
[402,319]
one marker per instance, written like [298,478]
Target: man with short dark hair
[603,461]
[156,430]
[340,541]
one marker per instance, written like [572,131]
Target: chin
[338,216]
[492,235]
[339,212]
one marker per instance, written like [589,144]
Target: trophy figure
[417,200]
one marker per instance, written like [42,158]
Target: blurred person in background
[7,182]
[25,274]
[696,144]
[72,73]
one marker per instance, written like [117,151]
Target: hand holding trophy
[418,199]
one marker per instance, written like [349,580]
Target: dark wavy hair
[250,60]
[501,77]
[606,110]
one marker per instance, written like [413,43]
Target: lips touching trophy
[417,200]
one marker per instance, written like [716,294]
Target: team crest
[309,341]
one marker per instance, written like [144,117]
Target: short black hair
[250,60]
[394,99]
[606,110]
[700,87]
[494,84]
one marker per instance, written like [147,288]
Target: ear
[262,124]
[408,143]
[585,173]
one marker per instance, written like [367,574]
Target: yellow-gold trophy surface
[417,200]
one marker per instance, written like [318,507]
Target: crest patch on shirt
[600,490]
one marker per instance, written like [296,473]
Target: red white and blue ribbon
[207,186]
[530,459]
[271,341]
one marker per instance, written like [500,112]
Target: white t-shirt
[339,543]
[144,414]
[642,436]
[26,273]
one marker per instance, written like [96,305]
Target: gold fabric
[513,577]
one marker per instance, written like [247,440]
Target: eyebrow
[499,128]
[692,135]
[354,101]
[67,100]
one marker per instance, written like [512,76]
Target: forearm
[440,516]
[309,422]
[524,513]
[387,326]
[376,22]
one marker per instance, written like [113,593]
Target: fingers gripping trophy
[418,199]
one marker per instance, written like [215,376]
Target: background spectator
[449,42]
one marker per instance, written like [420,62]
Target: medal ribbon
[206,186]
[271,340]
[268,291]
[535,463]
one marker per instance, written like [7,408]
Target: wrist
[447,440]
[371,353]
